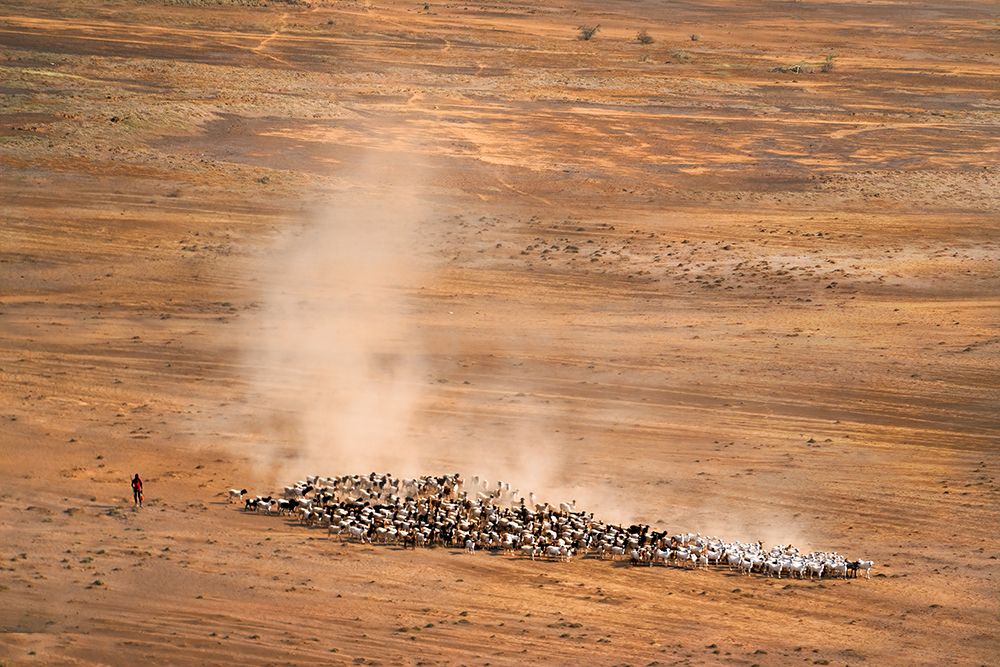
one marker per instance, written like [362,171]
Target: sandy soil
[686,287]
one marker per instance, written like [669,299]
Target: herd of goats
[448,511]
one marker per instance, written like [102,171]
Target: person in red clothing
[137,490]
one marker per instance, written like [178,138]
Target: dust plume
[336,365]
[345,354]
[343,365]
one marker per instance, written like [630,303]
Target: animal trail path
[259,49]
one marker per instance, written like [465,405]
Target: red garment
[137,485]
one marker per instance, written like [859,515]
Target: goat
[837,569]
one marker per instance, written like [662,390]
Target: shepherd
[137,490]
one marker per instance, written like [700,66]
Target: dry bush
[587,32]
[797,68]
[643,37]
[679,55]
[803,67]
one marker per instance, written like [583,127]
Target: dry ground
[722,297]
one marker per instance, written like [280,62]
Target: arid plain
[243,242]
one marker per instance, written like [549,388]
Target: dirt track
[703,292]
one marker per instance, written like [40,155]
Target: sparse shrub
[695,37]
[679,56]
[797,68]
[587,32]
[643,37]
[803,67]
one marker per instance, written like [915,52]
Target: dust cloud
[340,361]
[336,366]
